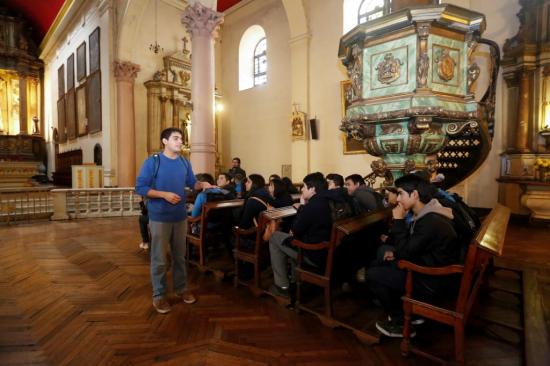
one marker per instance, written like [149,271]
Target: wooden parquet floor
[78,293]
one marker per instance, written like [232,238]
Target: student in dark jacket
[430,241]
[257,199]
[281,198]
[277,190]
[312,225]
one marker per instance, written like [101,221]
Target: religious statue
[184,128]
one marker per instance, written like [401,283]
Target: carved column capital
[201,20]
[126,71]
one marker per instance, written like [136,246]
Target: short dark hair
[336,178]
[356,178]
[226,175]
[238,177]
[205,177]
[257,181]
[274,176]
[238,159]
[412,182]
[317,181]
[167,132]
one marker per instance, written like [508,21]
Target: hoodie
[431,238]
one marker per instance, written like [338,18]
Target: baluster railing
[95,202]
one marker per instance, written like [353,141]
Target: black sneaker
[279,291]
[392,329]
[415,320]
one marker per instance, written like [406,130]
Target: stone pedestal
[537,200]
[201,22]
[125,74]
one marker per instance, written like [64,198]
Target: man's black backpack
[341,205]
[465,220]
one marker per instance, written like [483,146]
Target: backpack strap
[156,158]
[261,201]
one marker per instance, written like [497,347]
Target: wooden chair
[340,229]
[487,243]
[199,239]
[256,254]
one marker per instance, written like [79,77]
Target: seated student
[277,190]
[313,224]
[274,176]
[257,199]
[335,181]
[238,181]
[281,198]
[429,241]
[224,182]
[290,188]
[202,197]
[365,197]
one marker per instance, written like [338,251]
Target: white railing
[17,204]
[94,202]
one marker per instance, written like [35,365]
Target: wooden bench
[487,243]
[256,255]
[199,240]
[322,278]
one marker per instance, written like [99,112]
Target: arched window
[372,9]
[252,58]
[361,11]
[260,62]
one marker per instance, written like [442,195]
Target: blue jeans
[164,234]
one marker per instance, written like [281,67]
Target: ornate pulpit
[412,75]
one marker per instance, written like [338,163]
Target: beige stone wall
[255,122]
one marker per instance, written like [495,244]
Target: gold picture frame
[299,126]
[351,146]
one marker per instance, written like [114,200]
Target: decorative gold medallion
[445,65]
[389,69]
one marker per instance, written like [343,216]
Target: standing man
[236,168]
[163,179]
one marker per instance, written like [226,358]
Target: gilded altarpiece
[524,183]
[169,101]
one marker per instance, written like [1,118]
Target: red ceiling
[39,13]
[223,5]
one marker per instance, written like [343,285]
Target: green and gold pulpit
[411,76]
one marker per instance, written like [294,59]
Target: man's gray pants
[164,235]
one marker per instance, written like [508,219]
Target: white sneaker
[144,246]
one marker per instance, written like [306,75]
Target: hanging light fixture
[156,48]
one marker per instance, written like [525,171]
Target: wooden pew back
[487,243]
[340,229]
[199,240]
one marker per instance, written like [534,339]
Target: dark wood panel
[70,112]
[61,118]
[93,104]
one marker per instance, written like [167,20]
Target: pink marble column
[125,74]
[201,23]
